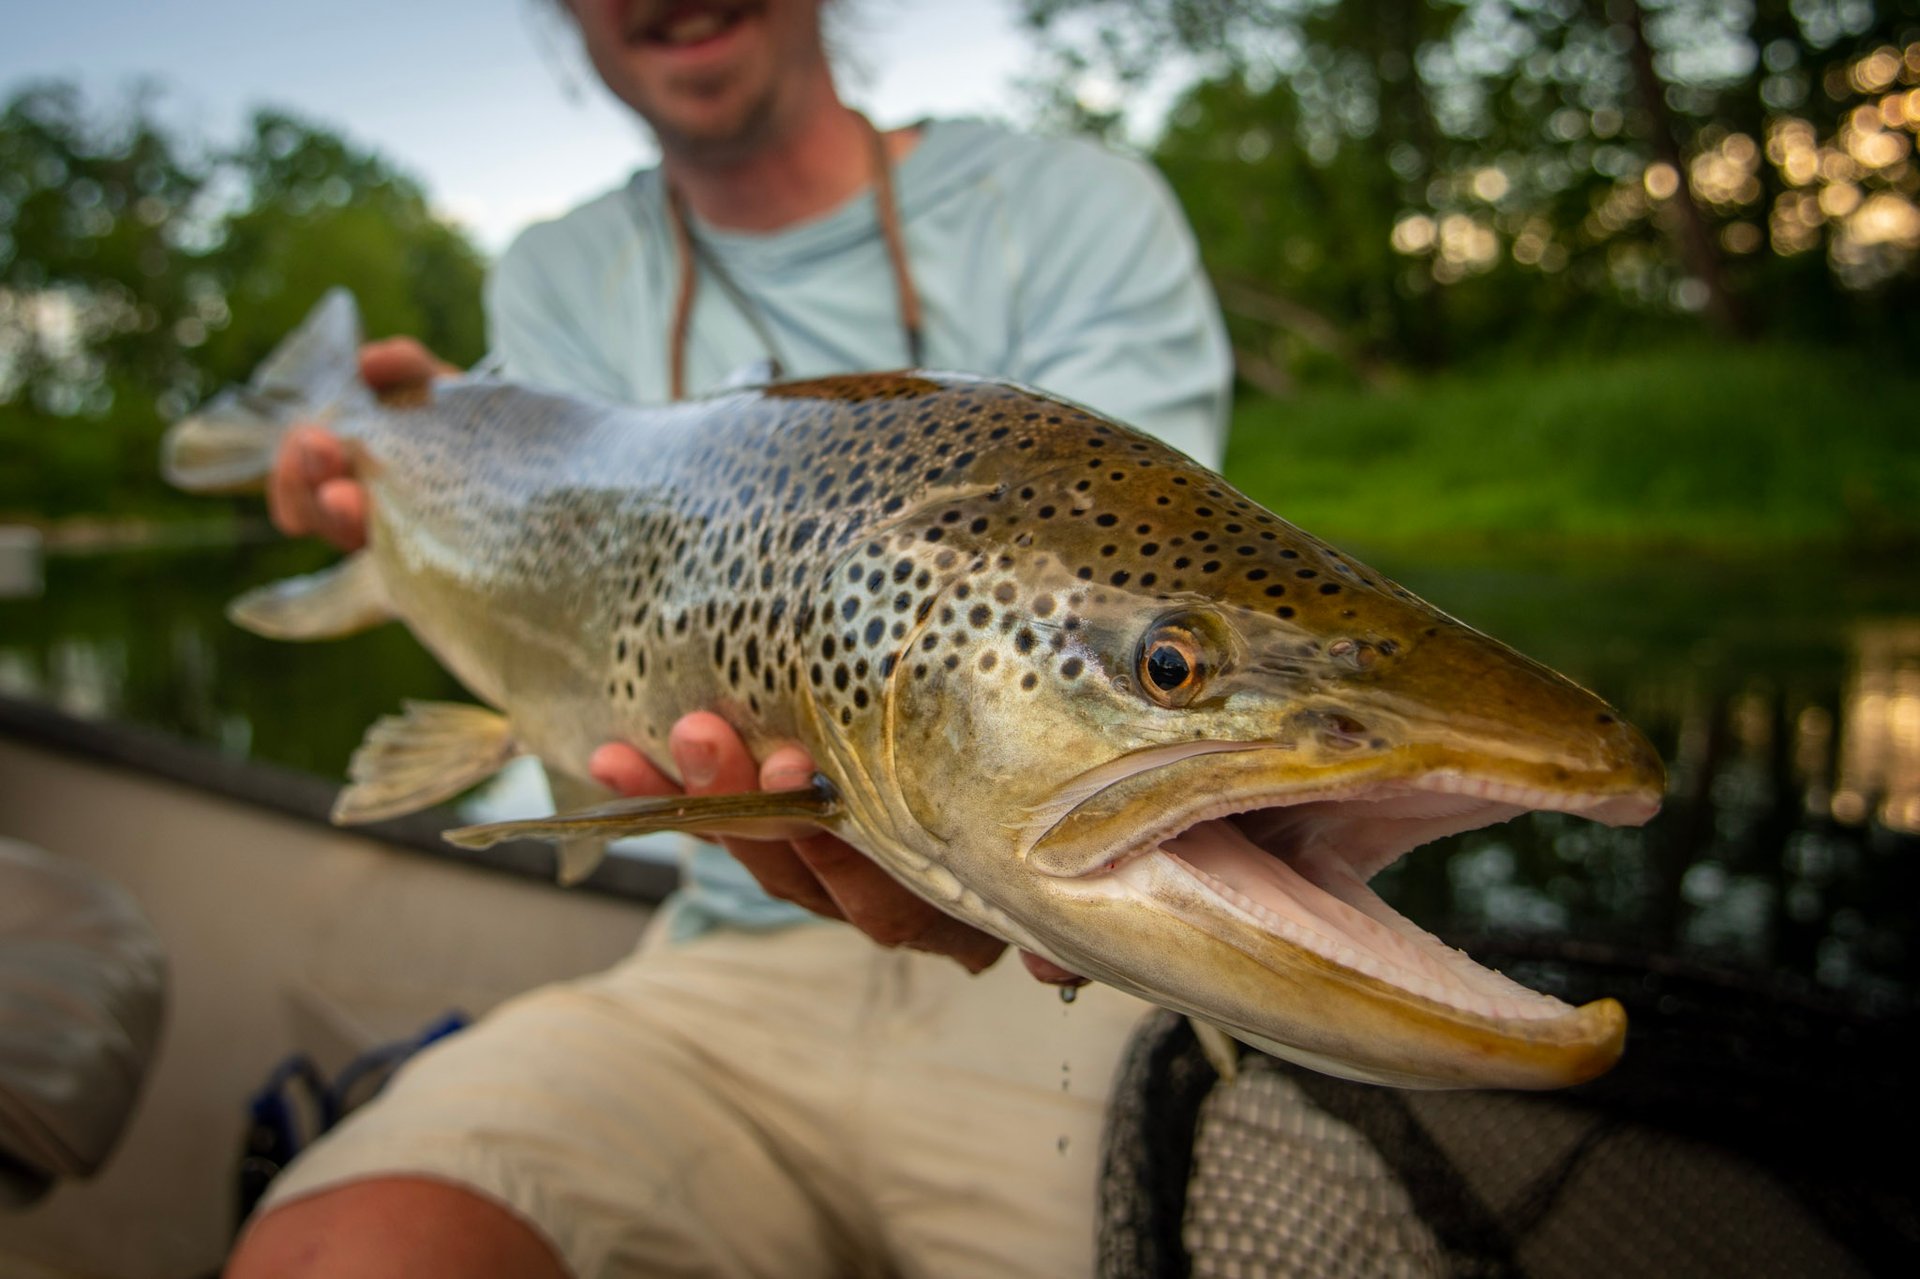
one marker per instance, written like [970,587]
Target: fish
[1057,679]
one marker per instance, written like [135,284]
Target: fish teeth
[1382,967]
[1528,797]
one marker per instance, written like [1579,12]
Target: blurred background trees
[1387,195]
[127,251]
[1411,184]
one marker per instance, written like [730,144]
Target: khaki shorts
[792,1103]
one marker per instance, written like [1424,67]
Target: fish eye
[1170,664]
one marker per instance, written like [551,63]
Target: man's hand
[312,489]
[813,869]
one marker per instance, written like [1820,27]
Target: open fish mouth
[1279,936]
[1300,872]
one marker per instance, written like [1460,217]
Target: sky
[488,102]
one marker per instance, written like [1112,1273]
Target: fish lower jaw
[1288,885]
[1425,968]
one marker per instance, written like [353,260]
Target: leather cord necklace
[692,255]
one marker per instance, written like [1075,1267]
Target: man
[754,1095]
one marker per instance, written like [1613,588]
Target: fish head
[1171,737]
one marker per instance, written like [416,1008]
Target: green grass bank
[1710,448]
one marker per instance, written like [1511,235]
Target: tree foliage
[128,251]
[1418,182]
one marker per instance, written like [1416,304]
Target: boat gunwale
[304,796]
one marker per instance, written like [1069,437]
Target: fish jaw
[1249,892]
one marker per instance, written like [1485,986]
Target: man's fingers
[341,513]
[815,870]
[876,903]
[400,361]
[286,490]
[959,941]
[619,767]
[311,490]
[867,897]
[1044,969]
[779,870]
[710,756]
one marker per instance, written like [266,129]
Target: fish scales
[781,556]
[1056,677]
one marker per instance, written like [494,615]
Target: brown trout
[1058,679]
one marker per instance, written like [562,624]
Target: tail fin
[228,446]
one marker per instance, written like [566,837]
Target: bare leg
[393,1228]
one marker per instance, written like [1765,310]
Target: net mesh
[1747,1133]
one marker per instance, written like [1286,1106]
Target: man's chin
[721,130]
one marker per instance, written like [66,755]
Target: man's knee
[392,1226]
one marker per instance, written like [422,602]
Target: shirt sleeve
[535,309]
[1112,306]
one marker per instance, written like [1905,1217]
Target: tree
[1414,183]
[128,253]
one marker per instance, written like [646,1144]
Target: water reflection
[1880,739]
[1786,704]
[20,561]
[141,635]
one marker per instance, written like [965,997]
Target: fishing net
[1747,1132]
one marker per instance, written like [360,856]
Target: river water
[1784,694]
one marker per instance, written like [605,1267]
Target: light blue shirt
[1049,261]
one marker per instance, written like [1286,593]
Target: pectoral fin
[334,602]
[575,858]
[754,815]
[431,752]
